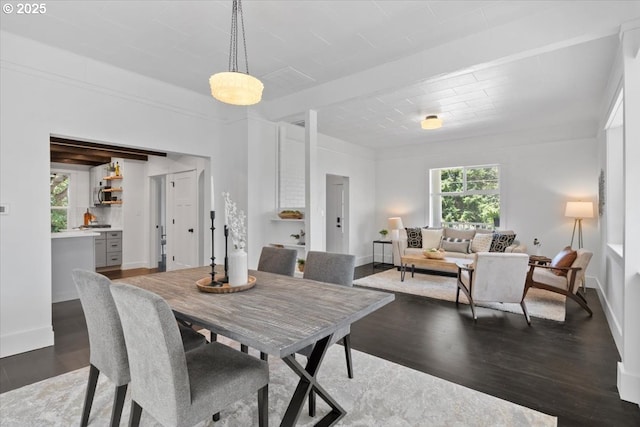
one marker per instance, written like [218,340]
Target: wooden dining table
[279,316]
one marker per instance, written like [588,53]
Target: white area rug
[381,394]
[540,303]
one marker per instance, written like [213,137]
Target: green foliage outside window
[59,197]
[470,194]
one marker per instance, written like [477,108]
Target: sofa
[457,244]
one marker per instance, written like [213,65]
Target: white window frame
[435,194]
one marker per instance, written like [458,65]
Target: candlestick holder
[215,282]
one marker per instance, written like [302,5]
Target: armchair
[543,277]
[494,277]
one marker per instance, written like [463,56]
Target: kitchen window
[59,195]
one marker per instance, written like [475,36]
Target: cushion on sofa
[431,237]
[481,242]
[454,233]
[451,244]
[501,241]
[564,258]
[414,237]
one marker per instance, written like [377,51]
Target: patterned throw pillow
[414,237]
[481,242]
[452,244]
[501,241]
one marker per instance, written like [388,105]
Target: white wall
[538,175]
[49,91]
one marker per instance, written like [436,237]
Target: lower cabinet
[109,249]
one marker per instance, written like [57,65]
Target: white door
[182,232]
[337,214]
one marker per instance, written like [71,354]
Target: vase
[238,271]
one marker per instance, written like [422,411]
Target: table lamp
[579,211]
[395,225]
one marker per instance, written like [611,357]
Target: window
[59,193]
[468,195]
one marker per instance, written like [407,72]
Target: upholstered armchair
[494,277]
[562,280]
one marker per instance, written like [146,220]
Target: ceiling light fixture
[431,122]
[235,87]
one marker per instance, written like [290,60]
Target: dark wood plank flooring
[566,370]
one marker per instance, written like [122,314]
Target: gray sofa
[456,243]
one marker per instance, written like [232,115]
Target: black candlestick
[213,243]
[225,279]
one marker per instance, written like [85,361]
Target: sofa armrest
[517,248]
[398,250]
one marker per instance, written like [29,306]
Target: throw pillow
[454,233]
[565,258]
[501,241]
[414,237]
[451,244]
[431,237]
[481,242]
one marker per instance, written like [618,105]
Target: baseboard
[628,385]
[132,265]
[612,320]
[26,341]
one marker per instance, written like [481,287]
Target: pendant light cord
[233,45]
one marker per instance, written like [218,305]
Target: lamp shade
[395,223]
[236,88]
[579,210]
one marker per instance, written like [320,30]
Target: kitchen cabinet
[108,249]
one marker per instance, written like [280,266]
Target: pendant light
[235,87]
[431,122]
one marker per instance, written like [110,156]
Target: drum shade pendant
[235,87]
[431,122]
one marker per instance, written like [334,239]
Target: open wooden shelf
[109,178]
[111,190]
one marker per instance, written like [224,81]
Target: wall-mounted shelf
[111,190]
[109,178]
[289,245]
[287,220]
[116,202]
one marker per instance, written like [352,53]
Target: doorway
[158,203]
[337,203]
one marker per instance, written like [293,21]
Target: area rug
[540,303]
[381,394]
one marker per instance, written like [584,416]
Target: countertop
[89,232]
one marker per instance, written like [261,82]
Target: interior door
[337,214]
[182,229]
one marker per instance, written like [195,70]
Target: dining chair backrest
[330,267]
[107,347]
[159,376]
[278,260]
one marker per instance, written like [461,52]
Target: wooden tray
[204,285]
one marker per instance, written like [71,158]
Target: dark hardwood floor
[563,369]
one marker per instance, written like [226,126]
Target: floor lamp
[578,211]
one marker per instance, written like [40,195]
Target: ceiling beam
[546,31]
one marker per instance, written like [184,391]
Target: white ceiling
[372,69]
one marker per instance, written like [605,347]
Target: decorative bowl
[433,254]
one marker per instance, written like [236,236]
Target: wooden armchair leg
[582,302]
[526,313]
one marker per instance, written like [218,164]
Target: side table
[383,243]
[539,259]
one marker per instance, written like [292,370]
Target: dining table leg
[308,382]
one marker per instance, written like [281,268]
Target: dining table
[278,316]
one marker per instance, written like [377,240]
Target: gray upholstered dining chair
[337,269]
[108,354]
[174,387]
[278,260]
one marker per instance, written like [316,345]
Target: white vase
[238,271]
